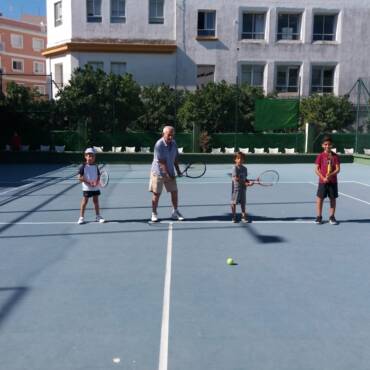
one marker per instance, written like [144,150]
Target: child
[239,186]
[89,176]
[327,167]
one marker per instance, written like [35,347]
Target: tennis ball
[230,261]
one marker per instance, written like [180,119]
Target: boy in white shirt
[89,176]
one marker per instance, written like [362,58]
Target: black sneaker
[233,220]
[318,220]
[333,221]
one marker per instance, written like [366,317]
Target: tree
[160,104]
[220,107]
[327,111]
[100,102]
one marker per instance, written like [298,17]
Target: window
[322,79]
[58,75]
[40,89]
[93,11]
[58,14]
[37,44]
[324,27]
[16,41]
[38,67]
[205,74]
[96,65]
[287,78]
[156,11]
[117,11]
[289,26]
[252,74]
[118,68]
[206,23]
[17,65]
[253,26]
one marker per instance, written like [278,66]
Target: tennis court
[132,295]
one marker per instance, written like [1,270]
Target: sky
[15,8]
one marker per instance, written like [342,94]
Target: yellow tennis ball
[230,261]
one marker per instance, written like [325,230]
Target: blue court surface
[133,295]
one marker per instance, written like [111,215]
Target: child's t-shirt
[91,173]
[327,161]
[242,173]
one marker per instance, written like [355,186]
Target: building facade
[292,47]
[21,59]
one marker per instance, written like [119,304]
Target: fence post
[309,137]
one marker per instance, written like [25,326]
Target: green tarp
[275,114]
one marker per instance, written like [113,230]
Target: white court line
[17,188]
[163,352]
[354,198]
[160,222]
[39,223]
[348,196]
[37,180]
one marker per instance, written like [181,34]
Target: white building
[289,46]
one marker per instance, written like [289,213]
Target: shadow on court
[16,295]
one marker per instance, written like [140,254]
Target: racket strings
[268,178]
[195,170]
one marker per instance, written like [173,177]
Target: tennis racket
[104,178]
[267,178]
[194,170]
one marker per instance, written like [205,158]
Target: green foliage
[24,110]
[220,107]
[327,111]
[94,101]
[160,108]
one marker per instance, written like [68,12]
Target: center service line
[163,351]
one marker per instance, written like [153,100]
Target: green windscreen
[274,114]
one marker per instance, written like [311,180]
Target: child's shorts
[239,197]
[157,182]
[327,190]
[90,193]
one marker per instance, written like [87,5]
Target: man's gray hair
[168,128]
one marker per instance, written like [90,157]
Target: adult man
[165,162]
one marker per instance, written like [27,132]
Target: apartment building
[21,45]
[293,47]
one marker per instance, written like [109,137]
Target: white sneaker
[154,217]
[81,221]
[176,215]
[100,219]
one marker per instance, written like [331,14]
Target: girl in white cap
[89,176]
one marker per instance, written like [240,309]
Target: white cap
[90,150]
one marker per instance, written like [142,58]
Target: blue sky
[15,8]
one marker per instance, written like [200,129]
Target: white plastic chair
[244,150]
[229,150]
[367,151]
[289,151]
[274,151]
[180,150]
[145,149]
[116,149]
[216,151]
[259,150]
[59,148]
[348,150]
[98,149]
[129,149]
[25,148]
[44,148]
